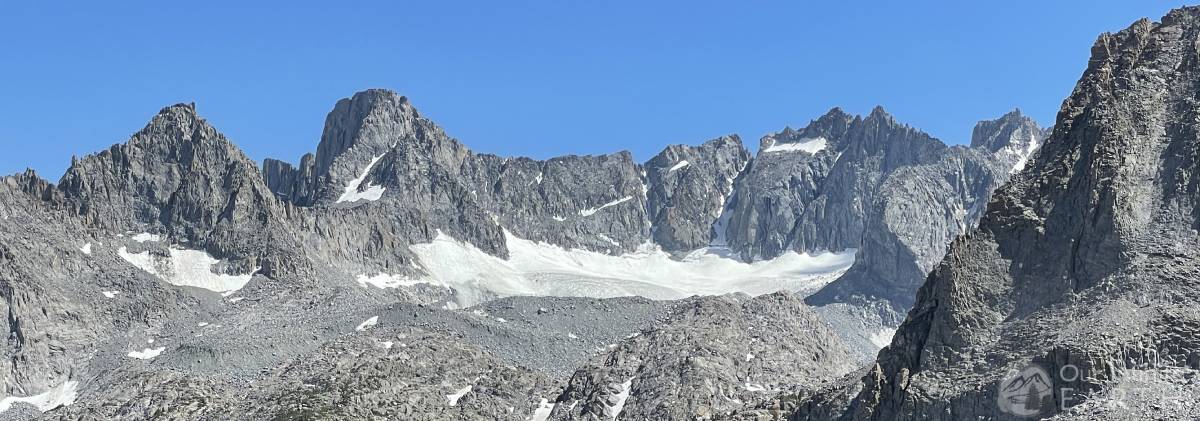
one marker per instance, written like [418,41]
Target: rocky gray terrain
[872,184]
[919,209]
[688,190]
[198,269]
[709,356]
[1075,296]
[170,277]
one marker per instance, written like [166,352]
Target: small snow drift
[63,395]
[385,281]
[678,165]
[592,211]
[810,145]
[1022,151]
[751,387]
[110,294]
[372,193]
[374,320]
[458,394]
[192,268]
[543,411]
[547,270]
[145,236]
[86,249]
[146,354]
[623,391]
[883,337]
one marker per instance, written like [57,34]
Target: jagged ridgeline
[395,273]
[1076,296]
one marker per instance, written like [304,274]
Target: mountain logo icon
[1026,392]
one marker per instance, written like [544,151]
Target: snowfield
[547,270]
[385,281]
[62,395]
[367,324]
[678,165]
[372,193]
[192,268]
[146,354]
[458,394]
[623,391]
[810,145]
[592,211]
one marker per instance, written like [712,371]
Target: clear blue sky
[532,78]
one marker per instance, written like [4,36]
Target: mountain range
[855,268]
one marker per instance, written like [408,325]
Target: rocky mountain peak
[1077,261]
[359,131]
[370,122]
[878,112]
[830,126]
[1013,136]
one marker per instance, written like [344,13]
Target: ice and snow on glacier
[810,145]
[542,269]
[192,268]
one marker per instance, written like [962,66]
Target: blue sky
[533,78]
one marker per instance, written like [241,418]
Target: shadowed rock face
[918,210]
[1085,260]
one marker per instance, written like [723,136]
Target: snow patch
[541,269]
[1023,154]
[608,239]
[678,165]
[811,145]
[458,394]
[751,387]
[372,193]
[110,294]
[385,281]
[367,324]
[63,395]
[146,354]
[558,218]
[191,268]
[592,211]
[86,249]
[883,337]
[622,396]
[749,356]
[542,413]
[145,236]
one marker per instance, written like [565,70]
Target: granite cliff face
[917,210]
[377,147]
[689,187]
[1083,267]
